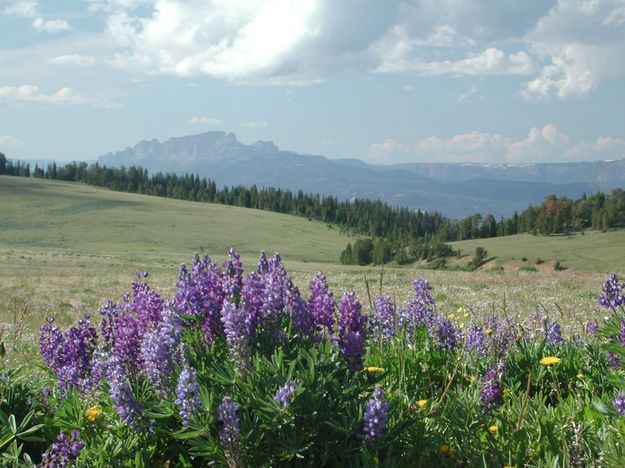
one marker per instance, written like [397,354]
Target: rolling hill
[42,214]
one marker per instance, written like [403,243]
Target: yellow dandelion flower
[375,370]
[580,376]
[461,325]
[422,403]
[92,413]
[550,360]
[493,429]
[472,378]
[452,316]
[466,314]
[444,448]
[488,331]
[459,310]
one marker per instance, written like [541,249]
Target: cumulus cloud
[63,97]
[582,44]
[25,9]
[50,26]
[542,144]
[73,59]
[602,147]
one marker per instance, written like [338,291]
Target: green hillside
[36,214]
[591,251]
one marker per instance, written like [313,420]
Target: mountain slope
[221,157]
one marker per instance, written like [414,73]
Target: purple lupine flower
[158,350]
[422,290]
[619,404]
[200,293]
[611,295]
[127,342]
[263,265]
[128,409]
[285,393]
[237,329]
[352,330]
[142,274]
[252,302]
[444,333]
[63,452]
[491,396]
[614,360]
[420,311]
[475,338]
[502,336]
[592,327]
[109,315]
[376,416]
[382,322]
[69,355]
[233,275]
[297,310]
[227,414]
[321,305]
[51,344]
[554,333]
[275,281]
[187,395]
[147,305]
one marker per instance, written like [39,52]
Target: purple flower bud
[237,327]
[376,416]
[352,331]
[382,321]
[233,275]
[475,338]
[619,404]
[187,395]
[297,310]
[227,414]
[285,393]
[591,328]
[321,305]
[611,295]
[444,333]
[63,452]
[491,395]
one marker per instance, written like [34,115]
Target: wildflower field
[249,369]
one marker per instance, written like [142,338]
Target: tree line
[401,233]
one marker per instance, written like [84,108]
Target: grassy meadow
[67,248]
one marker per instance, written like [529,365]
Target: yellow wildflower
[488,331]
[444,448]
[472,378]
[550,360]
[92,413]
[493,429]
[461,325]
[422,403]
[580,376]
[375,370]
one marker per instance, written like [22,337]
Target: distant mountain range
[455,190]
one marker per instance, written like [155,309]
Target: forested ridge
[398,225]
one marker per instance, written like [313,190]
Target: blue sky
[381,80]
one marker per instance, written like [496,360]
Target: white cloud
[73,59]
[602,147]
[50,26]
[542,144]
[8,140]
[25,9]
[464,97]
[64,96]
[261,124]
[206,121]
[582,43]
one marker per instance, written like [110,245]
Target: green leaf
[11,423]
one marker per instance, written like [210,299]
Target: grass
[593,251]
